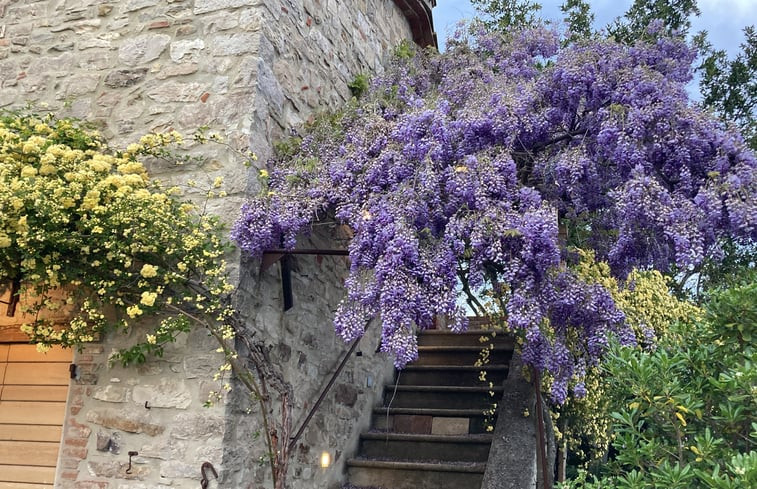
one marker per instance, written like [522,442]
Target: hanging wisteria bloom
[484,163]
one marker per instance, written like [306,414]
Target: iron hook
[131,454]
[204,481]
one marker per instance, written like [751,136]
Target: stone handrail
[513,461]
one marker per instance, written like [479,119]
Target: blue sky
[723,19]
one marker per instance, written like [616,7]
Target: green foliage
[140,352]
[287,147]
[359,85]
[579,18]
[683,415]
[674,17]
[505,14]
[733,313]
[737,266]
[729,86]
[404,50]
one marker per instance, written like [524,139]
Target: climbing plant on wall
[85,230]
[78,216]
[483,165]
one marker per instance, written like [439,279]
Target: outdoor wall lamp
[325,460]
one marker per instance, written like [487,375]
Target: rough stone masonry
[250,70]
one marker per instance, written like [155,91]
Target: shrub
[684,413]
[80,216]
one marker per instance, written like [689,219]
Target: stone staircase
[431,431]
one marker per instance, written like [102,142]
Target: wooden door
[33,390]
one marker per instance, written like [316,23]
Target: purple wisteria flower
[484,163]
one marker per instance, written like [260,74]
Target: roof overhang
[418,14]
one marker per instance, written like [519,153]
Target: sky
[722,19]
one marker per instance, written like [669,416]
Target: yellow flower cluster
[649,306]
[645,297]
[149,271]
[78,216]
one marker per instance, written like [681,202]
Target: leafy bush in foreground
[685,413]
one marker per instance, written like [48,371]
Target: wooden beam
[418,15]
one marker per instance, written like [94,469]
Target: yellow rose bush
[83,228]
[78,216]
[651,310]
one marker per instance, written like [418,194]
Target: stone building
[250,70]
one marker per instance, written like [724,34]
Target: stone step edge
[443,388]
[471,468]
[460,349]
[437,413]
[469,332]
[482,438]
[472,368]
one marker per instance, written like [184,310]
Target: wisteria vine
[484,163]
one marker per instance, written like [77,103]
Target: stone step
[462,355]
[424,448]
[476,322]
[451,397]
[452,375]
[471,337]
[432,431]
[432,421]
[391,474]
[479,322]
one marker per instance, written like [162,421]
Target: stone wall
[250,70]
[155,410]
[308,352]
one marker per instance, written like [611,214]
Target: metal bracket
[131,454]
[13,298]
[270,257]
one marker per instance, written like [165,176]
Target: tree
[671,17]
[729,86]
[485,165]
[506,14]
[579,18]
